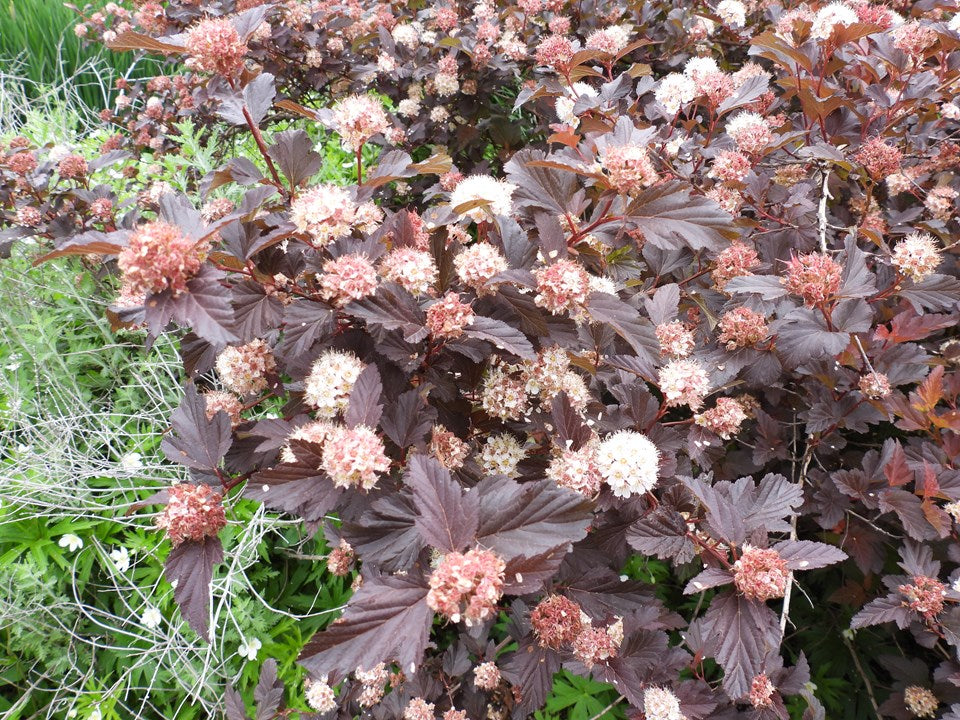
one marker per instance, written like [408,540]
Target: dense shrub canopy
[676,282]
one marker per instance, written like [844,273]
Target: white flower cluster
[330,381]
[628,461]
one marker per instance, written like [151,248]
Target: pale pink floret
[737,260]
[914,38]
[816,277]
[610,40]
[331,378]
[593,646]
[555,51]
[320,696]
[215,46]
[467,586]
[244,368]
[674,91]
[684,382]
[418,709]
[875,385]
[503,396]
[160,257]
[412,269]
[341,558]
[454,714]
[354,457]
[675,339]
[347,278]
[628,168]
[761,691]
[220,401]
[326,213]
[448,317]
[750,132]
[447,448]
[724,419]
[730,166]
[761,574]
[577,470]
[924,596]
[940,201]
[477,264]
[486,676]
[916,256]
[193,512]
[742,327]
[358,118]
[563,286]
[660,703]
[879,158]
[315,432]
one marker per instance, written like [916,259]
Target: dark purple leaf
[392,308]
[234,709]
[626,321]
[305,322]
[364,407]
[386,536]
[936,292]
[190,566]
[447,519]
[807,554]
[773,500]
[711,577]
[392,165]
[206,308]
[293,152]
[387,620]
[269,691]
[768,287]
[530,670]
[503,336]
[668,214]
[723,515]
[256,98]
[525,575]
[883,610]
[529,519]
[408,419]
[570,432]
[909,509]
[195,441]
[662,533]
[541,187]
[255,311]
[299,489]
[743,633]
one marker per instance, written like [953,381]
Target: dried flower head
[215,46]
[815,277]
[244,368]
[467,585]
[447,448]
[160,256]
[628,462]
[193,512]
[29,216]
[875,385]
[556,621]
[72,167]
[354,457]
[761,574]
[331,379]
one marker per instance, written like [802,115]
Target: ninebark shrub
[676,281]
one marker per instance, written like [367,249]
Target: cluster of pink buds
[761,574]
[160,256]
[193,512]
[924,595]
[467,585]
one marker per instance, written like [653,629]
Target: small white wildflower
[70,542]
[121,559]
[151,618]
[131,461]
[249,649]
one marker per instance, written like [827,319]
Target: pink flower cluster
[479,263]
[160,257]
[341,558]
[737,260]
[447,318]
[193,512]
[875,385]
[924,596]
[879,158]
[594,645]
[684,382]
[761,574]
[761,691]
[447,448]
[347,278]
[815,277]
[358,118]
[725,418]
[412,269]
[920,701]
[244,368]
[326,213]
[916,256]
[418,709]
[467,585]
[354,457]
[742,327]
[72,167]
[562,286]
[730,166]
[555,51]
[486,676]
[628,168]
[216,47]
[675,339]
[577,470]
[220,401]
